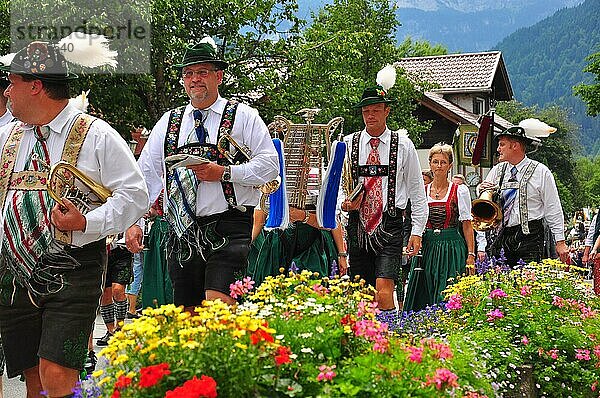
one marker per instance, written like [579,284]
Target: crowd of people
[407,226]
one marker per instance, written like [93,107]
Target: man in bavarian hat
[53,253]
[386,163]
[528,197]
[208,206]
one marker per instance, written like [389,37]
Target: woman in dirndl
[448,241]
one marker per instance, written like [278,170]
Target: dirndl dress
[307,247]
[444,254]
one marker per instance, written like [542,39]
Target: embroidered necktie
[508,196]
[27,229]
[371,209]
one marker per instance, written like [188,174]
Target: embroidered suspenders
[389,170]
[208,151]
[35,180]
[521,186]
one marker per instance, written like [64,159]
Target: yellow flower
[97,373]
[242,346]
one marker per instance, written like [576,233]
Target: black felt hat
[41,60]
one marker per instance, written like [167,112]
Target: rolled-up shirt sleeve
[119,173]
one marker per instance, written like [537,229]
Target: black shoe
[103,341]
[132,316]
[90,362]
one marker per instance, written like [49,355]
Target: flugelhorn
[243,155]
[486,210]
[60,185]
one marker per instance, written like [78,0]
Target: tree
[338,56]
[557,150]
[590,93]
[253,36]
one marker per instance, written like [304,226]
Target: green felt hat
[201,53]
[374,95]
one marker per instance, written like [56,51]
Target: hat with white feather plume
[203,52]
[50,61]
[386,78]
[529,130]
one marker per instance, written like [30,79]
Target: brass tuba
[61,184]
[486,210]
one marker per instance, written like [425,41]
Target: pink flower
[320,289]
[524,340]
[454,302]
[553,353]
[326,373]
[526,290]
[494,314]
[239,288]
[582,354]
[416,354]
[597,351]
[498,293]
[443,378]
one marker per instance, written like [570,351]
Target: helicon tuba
[486,210]
[61,184]
[306,151]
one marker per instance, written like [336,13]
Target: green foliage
[541,315]
[338,56]
[547,59]
[588,172]
[590,93]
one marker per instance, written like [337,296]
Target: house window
[479,106]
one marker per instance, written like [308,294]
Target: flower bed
[300,336]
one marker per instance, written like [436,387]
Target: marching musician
[387,164]
[49,291]
[208,206]
[528,196]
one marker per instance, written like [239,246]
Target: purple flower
[494,314]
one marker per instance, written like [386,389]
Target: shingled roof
[462,73]
[455,113]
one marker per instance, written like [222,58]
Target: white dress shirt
[248,129]
[409,182]
[106,159]
[542,197]
[590,235]
[6,118]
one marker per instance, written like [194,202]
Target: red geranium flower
[150,375]
[205,387]
[283,355]
[122,382]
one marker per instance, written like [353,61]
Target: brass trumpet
[486,210]
[60,185]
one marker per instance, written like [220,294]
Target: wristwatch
[226,174]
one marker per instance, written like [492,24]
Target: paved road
[14,388]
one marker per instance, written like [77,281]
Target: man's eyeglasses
[200,72]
